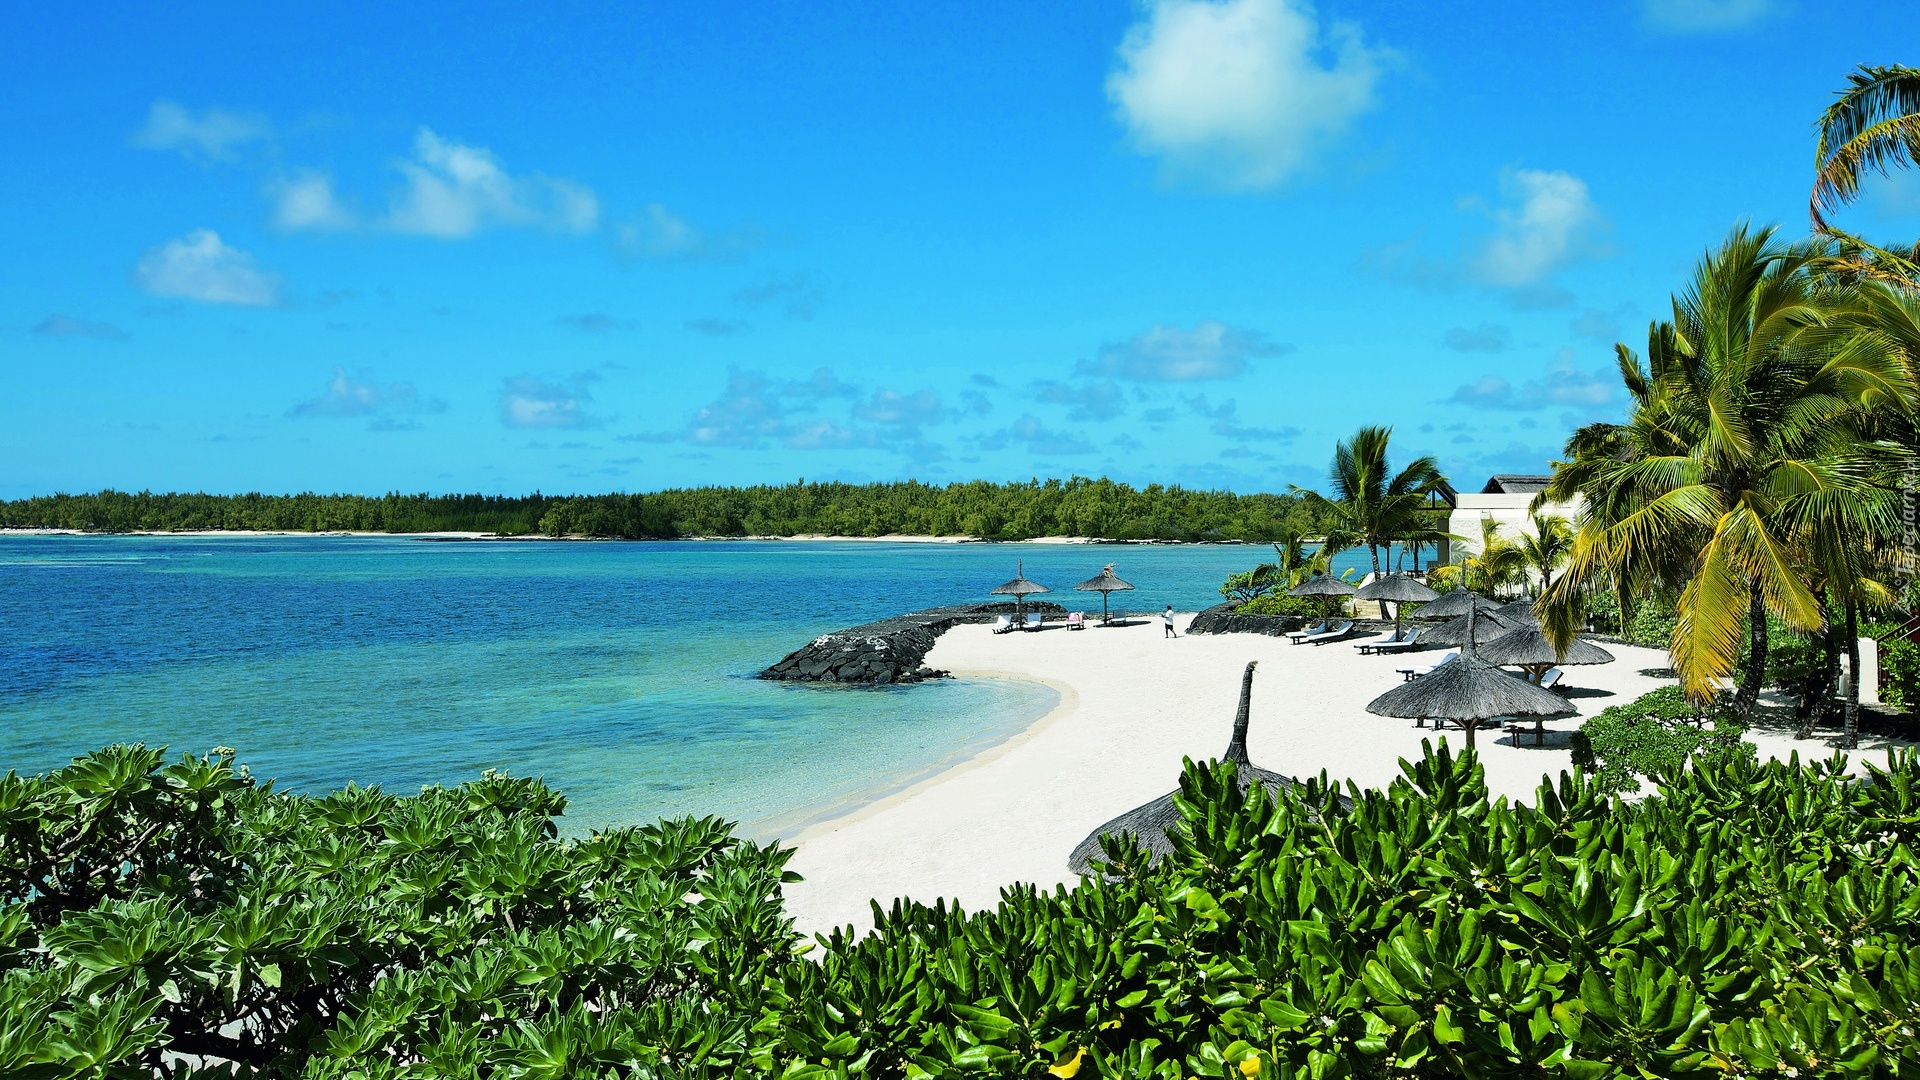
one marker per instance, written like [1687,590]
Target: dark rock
[888,651]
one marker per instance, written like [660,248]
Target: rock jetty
[888,651]
[1222,619]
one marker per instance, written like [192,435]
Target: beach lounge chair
[1307,631]
[1405,644]
[1551,679]
[1076,620]
[1033,621]
[1332,633]
[1416,672]
[1002,623]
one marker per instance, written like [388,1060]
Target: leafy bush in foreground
[1751,921]
[1657,733]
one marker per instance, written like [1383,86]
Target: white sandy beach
[1132,704]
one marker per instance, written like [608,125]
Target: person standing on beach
[1166,620]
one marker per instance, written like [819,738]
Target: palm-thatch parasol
[1527,647]
[1455,604]
[1150,823]
[1325,586]
[1019,588]
[1519,612]
[1104,584]
[1470,691]
[1453,633]
[1402,589]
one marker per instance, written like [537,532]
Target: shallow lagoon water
[619,672]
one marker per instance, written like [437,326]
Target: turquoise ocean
[621,673]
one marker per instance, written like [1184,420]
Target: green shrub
[1657,734]
[1282,604]
[1651,625]
[1754,920]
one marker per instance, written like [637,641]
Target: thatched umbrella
[1325,586]
[1104,584]
[1486,625]
[1519,612]
[1019,588]
[1470,691]
[1402,589]
[1149,824]
[1527,647]
[1455,604]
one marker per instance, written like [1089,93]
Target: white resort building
[1505,499]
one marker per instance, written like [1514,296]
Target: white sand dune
[1132,704]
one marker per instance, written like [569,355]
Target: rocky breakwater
[889,651]
[1222,619]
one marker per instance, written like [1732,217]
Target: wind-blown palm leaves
[1873,126]
[1750,403]
[1497,562]
[1371,506]
[1546,547]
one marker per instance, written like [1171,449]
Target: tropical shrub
[1900,673]
[1749,920]
[1282,604]
[1658,734]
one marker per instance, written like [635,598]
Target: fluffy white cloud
[198,266]
[528,402]
[454,190]
[1697,16]
[1563,385]
[389,407]
[1544,224]
[305,200]
[755,409]
[58,325]
[212,133]
[1211,350]
[1241,92]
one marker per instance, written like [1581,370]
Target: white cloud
[1040,439]
[1545,224]
[211,133]
[198,266]
[659,233]
[1697,16]
[755,409]
[528,402]
[1226,422]
[388,407]
[1211,350]
[1241,92]
[454,190]
[58,325]
[1563,385]
[305,200]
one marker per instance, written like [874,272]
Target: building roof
[1515,484]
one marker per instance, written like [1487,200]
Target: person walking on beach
[1166,620]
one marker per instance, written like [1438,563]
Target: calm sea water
[619,672]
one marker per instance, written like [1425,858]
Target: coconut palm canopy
[1527,646]
[1105,584]
[1149,824]
[1453,632]
[1019,588]
[1454,604]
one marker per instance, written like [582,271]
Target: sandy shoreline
[1131,706]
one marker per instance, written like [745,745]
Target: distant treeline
[1076,507]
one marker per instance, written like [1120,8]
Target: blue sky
[621,247]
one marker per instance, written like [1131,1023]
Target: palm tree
[1872,126]
[1369,507]
[1737,411]
[1547,546]
[1496,563]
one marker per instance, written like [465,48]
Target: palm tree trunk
[1749,693]
[1851,738]
[1376,573]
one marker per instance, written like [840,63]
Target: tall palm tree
[1738,410]
[1495,563]
[1872,126]
[1369,507]
[1547,546]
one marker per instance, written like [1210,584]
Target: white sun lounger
[1405,644]
[1002,623]
[1551,679]
[1076,620]
[1334,633]
[1033,621]
[1416,672]
[1307,631]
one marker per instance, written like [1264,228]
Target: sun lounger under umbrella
[1148,824]
[1104,584]
[1527,647]
[1325,586]
[1019,588]
[1402,589]
[1468,691]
